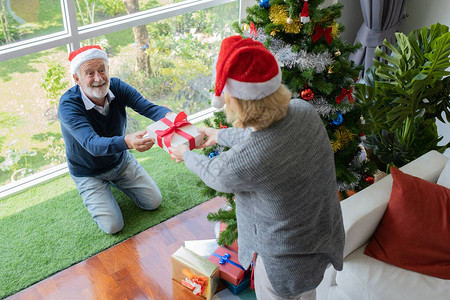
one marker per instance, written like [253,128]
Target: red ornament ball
[370,180]
[307,94]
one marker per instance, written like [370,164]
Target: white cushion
[365,278]
[444,178]
[336,294]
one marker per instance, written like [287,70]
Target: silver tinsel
[260,35]
[285,57]
[317,61]
[325,109]
[290,59]
[358,160]
[356,163]
[347,187]
[321,105]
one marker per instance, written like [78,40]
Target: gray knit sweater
[287,207]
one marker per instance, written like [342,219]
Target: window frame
[72,35]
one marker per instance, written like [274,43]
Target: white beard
[97,91]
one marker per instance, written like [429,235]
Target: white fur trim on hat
[78,57]
[252,90]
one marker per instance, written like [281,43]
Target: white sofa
[364,277]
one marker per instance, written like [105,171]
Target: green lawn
[47,228]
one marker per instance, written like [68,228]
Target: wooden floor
[138,268]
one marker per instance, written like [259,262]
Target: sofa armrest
[363,211]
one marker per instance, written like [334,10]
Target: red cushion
[414,233]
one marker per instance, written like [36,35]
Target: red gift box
[234,247]
[230,268]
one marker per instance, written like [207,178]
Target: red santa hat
[83,54]
[246,70]
[304,15]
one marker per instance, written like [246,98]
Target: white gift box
[177,137]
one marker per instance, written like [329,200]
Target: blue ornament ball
[339,119]
[264,4]
[213,154]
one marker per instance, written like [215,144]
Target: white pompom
[218,102]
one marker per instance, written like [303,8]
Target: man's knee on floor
[111,227]
[153,203]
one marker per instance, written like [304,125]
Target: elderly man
[93,122]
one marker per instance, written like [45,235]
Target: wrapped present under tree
[230,268]
[195,272]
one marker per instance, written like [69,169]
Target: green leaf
[383,55]
[420,76]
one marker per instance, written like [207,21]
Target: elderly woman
[280,167]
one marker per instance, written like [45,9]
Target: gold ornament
[279,15]
[289,21]
[344,136]
[334,30]
[330,70]
[294,27]
[337,53]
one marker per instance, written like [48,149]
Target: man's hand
[211,136]
[177,153]
[137,141]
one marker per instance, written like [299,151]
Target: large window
[178,41]
[26,19]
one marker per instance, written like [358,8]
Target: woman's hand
[177,152]
[211,136]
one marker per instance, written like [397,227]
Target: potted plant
[404,93]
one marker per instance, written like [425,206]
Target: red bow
[180,121]
[253,29]
[222,126]
[345,93]
[326,33]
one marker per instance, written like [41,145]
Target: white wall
[422,13]
[351,18]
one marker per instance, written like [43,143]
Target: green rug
[47,228]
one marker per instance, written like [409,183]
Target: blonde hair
[258,114]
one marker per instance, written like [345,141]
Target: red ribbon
[195,284]
[345,93]
[253,29]
[326,33]
[180,121]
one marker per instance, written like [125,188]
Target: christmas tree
[314,60]
[228,215]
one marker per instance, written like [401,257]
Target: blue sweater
[96,143]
